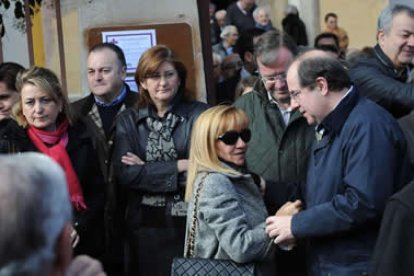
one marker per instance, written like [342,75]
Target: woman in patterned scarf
[150,156]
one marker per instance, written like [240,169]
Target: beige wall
[80,15]
[358,18]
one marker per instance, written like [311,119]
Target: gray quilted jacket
[231,220]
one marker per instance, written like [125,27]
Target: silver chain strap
[189,250]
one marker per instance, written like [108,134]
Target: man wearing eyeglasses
[359,162]
[281,139]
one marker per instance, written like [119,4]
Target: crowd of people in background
[304,168]
[233,31]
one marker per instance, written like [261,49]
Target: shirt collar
[272,101]
[118,99]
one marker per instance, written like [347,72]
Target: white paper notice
[133,43]
[131,83]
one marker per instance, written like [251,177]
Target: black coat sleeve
[157,177]
[277,193]
[394,251]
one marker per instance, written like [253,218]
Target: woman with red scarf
[46,126]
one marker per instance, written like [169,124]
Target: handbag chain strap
[189,250]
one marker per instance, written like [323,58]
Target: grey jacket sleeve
[220,207]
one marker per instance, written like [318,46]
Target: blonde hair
[47,81]
[203,152]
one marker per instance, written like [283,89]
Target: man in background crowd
[240,14]
[294,26]
[331,22]
[328,42]
[382,76]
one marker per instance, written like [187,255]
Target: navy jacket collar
[336,119]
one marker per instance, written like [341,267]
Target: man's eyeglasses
[294,94]
[230,137]
[281,77]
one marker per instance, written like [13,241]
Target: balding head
[317,63]
[220,16]
[317,82]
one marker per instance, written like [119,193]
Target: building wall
[80,15]
[358,18]
[86,14]
[14,43]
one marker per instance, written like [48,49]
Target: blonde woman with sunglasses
[230,211]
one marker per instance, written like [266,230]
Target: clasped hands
[278,227]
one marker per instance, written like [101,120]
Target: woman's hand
[182,165]
[131,159]
[290,208]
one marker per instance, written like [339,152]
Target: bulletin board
[176,36]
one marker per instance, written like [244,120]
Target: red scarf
[59,139]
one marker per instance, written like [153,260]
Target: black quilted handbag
[211,267]
[189,266]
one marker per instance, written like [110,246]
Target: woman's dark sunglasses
[230,137]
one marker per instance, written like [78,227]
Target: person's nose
[38,108]
[97,76]
[240,143]
[163,80]
[280,84]
[294,103]
[411,41]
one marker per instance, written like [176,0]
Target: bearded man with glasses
[281,139]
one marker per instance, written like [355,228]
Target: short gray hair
[388,13]
[228,30]
[258,9]
[220,13]
[34,207]
[291,9]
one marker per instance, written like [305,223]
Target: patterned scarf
[58,140]
[160,146]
